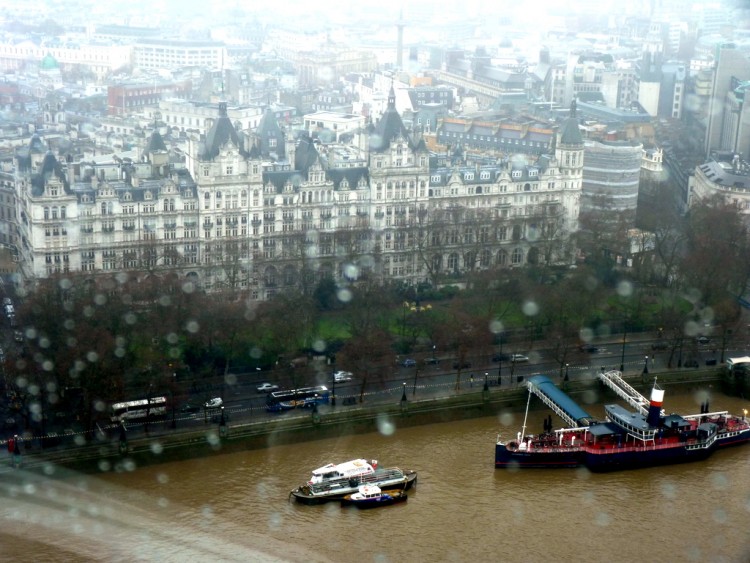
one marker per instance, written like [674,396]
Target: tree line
[129,334]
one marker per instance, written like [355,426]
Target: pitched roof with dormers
[50,168]
[268,128]
[389,128]
[305,154]
[280,178]
[350,178]
[221,133]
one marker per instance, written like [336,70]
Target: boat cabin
[353,468]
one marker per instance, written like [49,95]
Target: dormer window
[148,196]
[127,196]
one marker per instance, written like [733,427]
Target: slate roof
[221,133]
[305,155]
[156,143]
[570,133]
[389,128]
[50,167]
[351,175]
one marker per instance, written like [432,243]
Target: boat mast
[525,416]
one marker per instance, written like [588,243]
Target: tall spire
[392,97]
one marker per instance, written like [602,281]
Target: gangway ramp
[562,405]
[613,379]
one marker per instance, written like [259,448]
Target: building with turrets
[264,211]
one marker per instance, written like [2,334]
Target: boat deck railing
[613,379]
[377,476]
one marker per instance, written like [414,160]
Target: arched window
[46,213]
[502,258]
[517,256]
[485,258]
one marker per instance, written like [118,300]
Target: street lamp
[333,389]
[414,387]
[403,395]
[222,423]
[174,383]
[566,372]
[645,366]
[123,438]
[433,354]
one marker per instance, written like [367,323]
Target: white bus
[139,410]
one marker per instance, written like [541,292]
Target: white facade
[238,220]
[99,59]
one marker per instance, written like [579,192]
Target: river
[235,507]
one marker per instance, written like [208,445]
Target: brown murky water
[235,506]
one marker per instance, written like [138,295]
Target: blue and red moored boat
[627,439]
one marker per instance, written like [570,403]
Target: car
[517,358]
[341,376]
[432,361]
[659,345]
[214,403]
[409,363]
[266,387]
[691,363]
[190,408]
[703,340]
[501,357]
[588,348]
[461,365]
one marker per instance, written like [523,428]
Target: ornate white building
[259,212]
